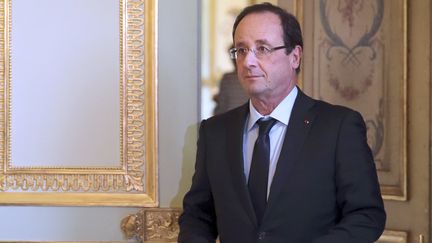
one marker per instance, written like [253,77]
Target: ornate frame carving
[134,182]
[152,225]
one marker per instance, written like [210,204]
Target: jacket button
[261,235]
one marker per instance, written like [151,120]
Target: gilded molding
[135,95]
[3,26]
[393,236]
[148,225]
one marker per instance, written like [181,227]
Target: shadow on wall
[188,165]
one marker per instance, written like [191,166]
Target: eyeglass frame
[233,52]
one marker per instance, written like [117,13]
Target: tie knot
[265,125]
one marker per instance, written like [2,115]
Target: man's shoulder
[326,108]
[237,114]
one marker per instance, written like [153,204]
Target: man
[320,182]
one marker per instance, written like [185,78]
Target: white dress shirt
[282,114]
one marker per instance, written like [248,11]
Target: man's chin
[255,91]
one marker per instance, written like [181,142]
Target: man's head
[268,49]
[292,35]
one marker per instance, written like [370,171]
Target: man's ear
[296,55]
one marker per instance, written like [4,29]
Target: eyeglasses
[260,51]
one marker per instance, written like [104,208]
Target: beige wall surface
[178,114]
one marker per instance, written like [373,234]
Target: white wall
[178,97]
[178,114]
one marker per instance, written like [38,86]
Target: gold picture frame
[132,183]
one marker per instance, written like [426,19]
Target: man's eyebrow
[257,42]
[262,41]
[240,43]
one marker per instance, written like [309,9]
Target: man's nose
[250,59]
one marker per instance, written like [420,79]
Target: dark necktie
[258,175]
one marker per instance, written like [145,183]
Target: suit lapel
[298,127]
[234,142]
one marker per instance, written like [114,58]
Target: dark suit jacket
[325,189]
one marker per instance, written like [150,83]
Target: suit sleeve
[198,220]
[358,193]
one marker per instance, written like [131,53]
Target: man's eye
[263,49]
[242,51]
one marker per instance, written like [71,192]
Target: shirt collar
[279,113]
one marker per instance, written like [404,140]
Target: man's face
[270,77]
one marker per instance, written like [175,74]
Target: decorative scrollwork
[59,183]
[375,128]
[162,225]
[357,53]
[364,41]
[159,225]
[135,95]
